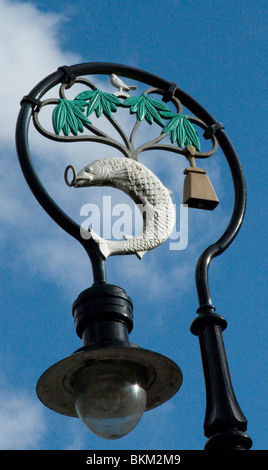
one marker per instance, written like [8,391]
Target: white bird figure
[143,186]
[118,83]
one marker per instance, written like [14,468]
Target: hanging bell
[198,191]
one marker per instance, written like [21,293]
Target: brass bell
[198,191]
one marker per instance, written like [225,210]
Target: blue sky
[215,51]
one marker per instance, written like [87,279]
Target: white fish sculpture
[146,190]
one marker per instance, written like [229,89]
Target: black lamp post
[108,365]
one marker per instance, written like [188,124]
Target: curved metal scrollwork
[178,126]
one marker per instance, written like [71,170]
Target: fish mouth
[80,182]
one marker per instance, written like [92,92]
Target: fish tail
[103,244]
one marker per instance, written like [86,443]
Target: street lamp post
[129,379]
[225,424]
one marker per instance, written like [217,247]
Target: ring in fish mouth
[72,183]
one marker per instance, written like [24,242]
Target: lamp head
[109,388]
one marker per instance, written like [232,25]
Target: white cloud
[22,424]
[30,49]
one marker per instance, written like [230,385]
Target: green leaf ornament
[148,108]
[69,117]
[100,102]
[182,131]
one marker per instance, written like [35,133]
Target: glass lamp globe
[110,405]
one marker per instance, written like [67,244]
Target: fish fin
[103,245]
[128,237]
[140,254]
[170,192]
